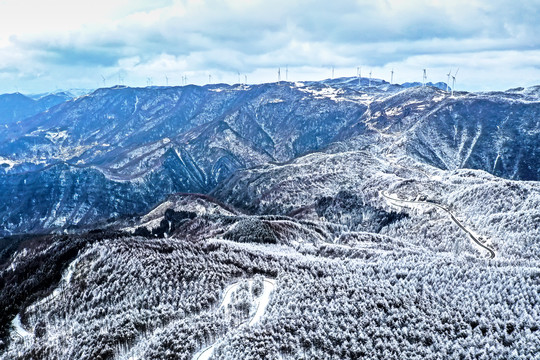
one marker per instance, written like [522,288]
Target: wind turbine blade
[456,72]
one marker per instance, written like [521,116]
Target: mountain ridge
[127,134]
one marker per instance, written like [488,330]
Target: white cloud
[72,42]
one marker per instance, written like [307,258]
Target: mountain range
[120,151]
[338,219]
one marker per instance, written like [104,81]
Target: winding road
[262,302]
[456,221]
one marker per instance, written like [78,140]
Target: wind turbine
[238,72]
[448,78]
[359,74]
[209,78]
[279,75]
[332,72]
[167,80]
[370,78]
[454,81]
[148,81]
[392,77]
[104,81]
[424,78]
[245,79]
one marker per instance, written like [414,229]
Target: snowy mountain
[482,131]
[340,219]
[120,137]
[156,141]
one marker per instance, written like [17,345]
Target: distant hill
[16,107]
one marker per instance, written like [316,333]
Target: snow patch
[7,164]
[19,330]
[56,136]
[326,92]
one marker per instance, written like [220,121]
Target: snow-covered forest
[132,297]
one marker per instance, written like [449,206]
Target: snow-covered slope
[153,142]
[190,138]
[346,187]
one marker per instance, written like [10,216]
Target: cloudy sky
[62,44]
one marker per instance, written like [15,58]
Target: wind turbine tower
[370,78]
[279,75]
[209,78]
[104,81]
[392,77]
[245,79]
[448,78]
[332,72]
[454,81]
[167,80]
[424,78]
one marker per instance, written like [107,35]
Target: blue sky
[45,45]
